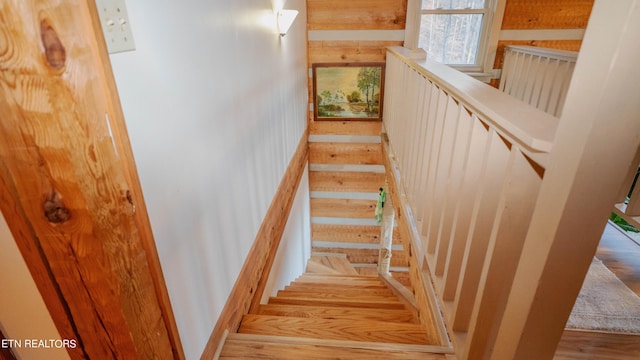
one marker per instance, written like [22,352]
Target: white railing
[538,76]
[470,160]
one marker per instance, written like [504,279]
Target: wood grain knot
[54,209]
[129,197]
[54,51]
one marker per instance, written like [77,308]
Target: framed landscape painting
[349,91]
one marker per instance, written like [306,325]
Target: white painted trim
[543,34]
[343,221]
[345,245]
[344,195]
[412,26]
[494,12]
[356,35]
[328,254]
[493,35]
[379,169]
[391,268]
[325,220]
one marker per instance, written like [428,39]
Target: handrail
[538,76]
[470,161]
[544,52]
[532,129]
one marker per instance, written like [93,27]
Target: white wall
[295,245]
[215,104]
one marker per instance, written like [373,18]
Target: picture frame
[348,91]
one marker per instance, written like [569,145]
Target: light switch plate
[115,25]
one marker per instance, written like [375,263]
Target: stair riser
[343,208]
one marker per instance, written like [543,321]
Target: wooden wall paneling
[546,14]
[359,15]
[348,51]
[250,284]
[346,128]
[356,14]
[67,165]
[345,153]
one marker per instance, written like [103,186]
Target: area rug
[605,304]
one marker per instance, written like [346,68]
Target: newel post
[386,236]
[596,141]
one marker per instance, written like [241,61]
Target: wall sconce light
[285,19]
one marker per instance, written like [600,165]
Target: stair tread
[329,281]
[251,346]
[301,284]
[367,256]
[328,312]
[319,268]
[339,277]
[358,303]
[339,289]
[334,329]
[354,294]
[346,277]
[338,264]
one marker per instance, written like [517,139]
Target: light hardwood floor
[622,256]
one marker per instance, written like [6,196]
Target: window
[455,32]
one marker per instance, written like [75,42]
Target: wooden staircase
[346,173]
[340,308]
[329,315]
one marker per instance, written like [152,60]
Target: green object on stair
[381,198]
